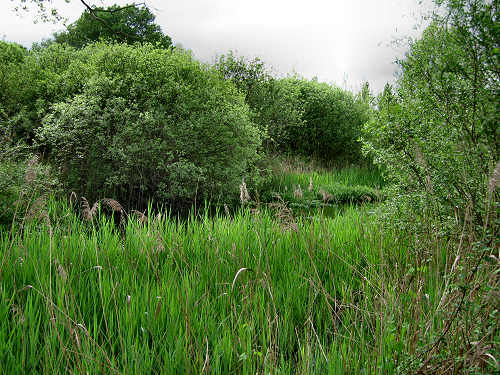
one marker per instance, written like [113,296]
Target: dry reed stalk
[206,364]
[238,274]
[494,180]
[158,306]
[61,272]
[492,186]
[141,217]
[72,198]
[30,173]
[244,196]
[297,191]
[17,314]
[159,248]
[36,210]
[87,212]
[77,339]
[326,196]
[115,206]
[284,215]
[255,212]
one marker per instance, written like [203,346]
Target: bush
[45,76]
[438,134]
[333,119]
[274,103]
[151,123]
[299,116]
[12,56]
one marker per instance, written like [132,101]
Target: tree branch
[134,5]
[92,12]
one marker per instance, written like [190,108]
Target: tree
[128,24]
[11,57]
[273,104]
[297,115]
[438,134]
[44,9]
[332,121]
[149,123]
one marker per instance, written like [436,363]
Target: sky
[344,42]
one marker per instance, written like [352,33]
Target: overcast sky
[344,42]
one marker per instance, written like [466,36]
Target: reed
[241,294]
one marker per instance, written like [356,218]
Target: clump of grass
[262,290]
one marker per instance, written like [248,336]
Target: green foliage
[202,142]
[151,123]
[12,56]
[283,115]
[128,24]
[332,121]
[438,134]
[299,116]
[45,76]
[274,104]
[11,52]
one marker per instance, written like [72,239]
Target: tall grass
[216,295]
[305,188]
[350,176]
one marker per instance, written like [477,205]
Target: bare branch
[135,5]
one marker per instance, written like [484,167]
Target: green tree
[129,24]
[332,121]
[299,116]
[150,123]
[12,56]
[31,85]
[438,133]
[273,103]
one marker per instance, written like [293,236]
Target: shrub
[12,56]
[45,76]
[274,103]
[299,116]
[332,122]
[437,134]
[151,123]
